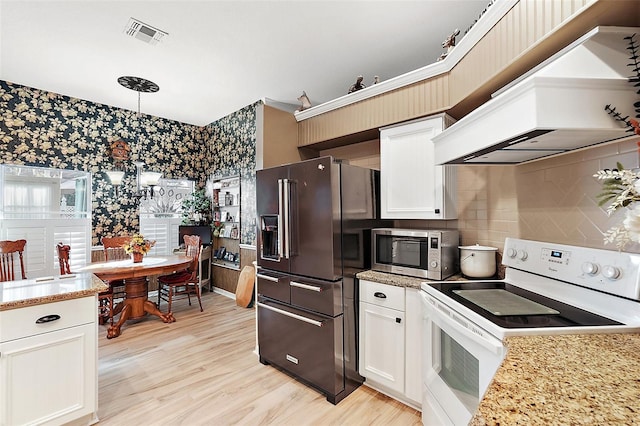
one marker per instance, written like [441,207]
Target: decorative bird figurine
[304,101]
[449,43]
[358,85]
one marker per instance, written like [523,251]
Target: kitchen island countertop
[37,291]
[565,380]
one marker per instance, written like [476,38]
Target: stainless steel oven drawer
[302,343]
[324,297]
[274,285]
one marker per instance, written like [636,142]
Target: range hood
[556,107]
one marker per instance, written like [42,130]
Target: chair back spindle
[183,283]
[8,252]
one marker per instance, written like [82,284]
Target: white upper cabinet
[412,185]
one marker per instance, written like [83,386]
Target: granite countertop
[399,280]
[391,279]
[37,291]
[565,380]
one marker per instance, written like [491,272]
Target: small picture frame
[233,233]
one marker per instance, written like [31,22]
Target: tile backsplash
[547,200]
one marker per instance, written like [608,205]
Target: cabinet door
[412,185]
[382,345]
[49,378]
[413,356]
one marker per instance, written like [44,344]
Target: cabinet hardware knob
[47,318]
[380,295]
[398,320]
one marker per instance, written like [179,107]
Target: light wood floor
[202,370]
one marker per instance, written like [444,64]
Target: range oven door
[460,359]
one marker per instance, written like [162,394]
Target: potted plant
[196,208]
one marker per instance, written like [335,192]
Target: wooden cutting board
[244,290]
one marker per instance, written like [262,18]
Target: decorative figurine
[358,85]
[119,150]
[376,80]
[305,102]
[449,43]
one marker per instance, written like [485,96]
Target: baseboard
[392,394]
[224,292]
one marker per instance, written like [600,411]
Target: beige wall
[364,154]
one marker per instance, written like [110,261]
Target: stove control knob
[590,268]
[611,272]
[434,264]
[522,255]
[512,253]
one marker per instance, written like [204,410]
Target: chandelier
[145,181]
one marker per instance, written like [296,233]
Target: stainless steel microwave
[430,254]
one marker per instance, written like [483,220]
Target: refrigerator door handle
[280,213]
[291,315]
[287,222]
[305,286]
[267,277]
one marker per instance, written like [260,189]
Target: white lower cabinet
[389,340]
[48,363]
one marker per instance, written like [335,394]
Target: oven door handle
[456,322]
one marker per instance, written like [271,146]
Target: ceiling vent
[144,32]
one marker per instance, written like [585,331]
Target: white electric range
[548,289]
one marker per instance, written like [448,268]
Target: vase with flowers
[621,187]
[138,247]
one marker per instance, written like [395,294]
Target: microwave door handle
[280,217]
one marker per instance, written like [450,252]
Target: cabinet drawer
[274,286]
[324,297]
[386,295]
[302,343]
[22,322]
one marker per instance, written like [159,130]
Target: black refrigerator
[314,234]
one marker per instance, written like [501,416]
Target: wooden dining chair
[105,298]
[184,283]
[8,252]
[114,250]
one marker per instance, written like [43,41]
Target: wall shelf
[226,210]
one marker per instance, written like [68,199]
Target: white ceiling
[220,56]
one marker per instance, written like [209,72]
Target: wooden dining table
[135,275]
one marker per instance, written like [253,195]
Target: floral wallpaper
[40,128]
[232,144]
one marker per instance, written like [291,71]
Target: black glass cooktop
[543,312]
